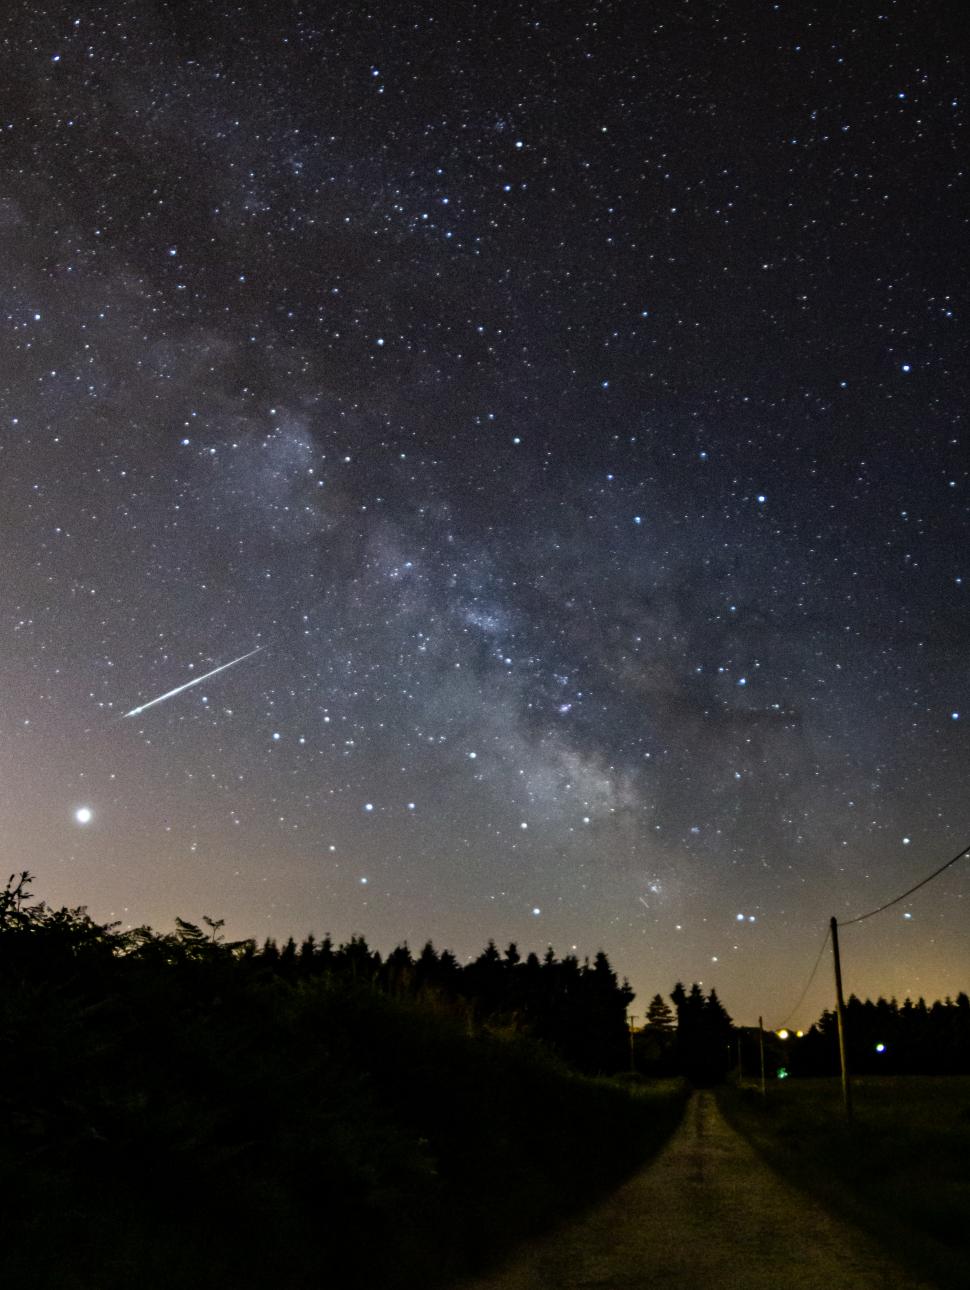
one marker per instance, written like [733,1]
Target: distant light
[799,1034]
[782,1034]
[906,842]
[907,914]
[411,806]
[880,1048]
[638,519]
[739,917]
[84,815]
[536,911]
[906,367]
[523,825]
[762,499]
[954,716]
[363,882]
[368,806]
[782,1072]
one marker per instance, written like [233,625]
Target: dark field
[901,1170]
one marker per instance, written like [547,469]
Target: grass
[899,1171]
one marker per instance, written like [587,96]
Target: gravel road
[706,1214]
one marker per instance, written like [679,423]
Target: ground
[707,1213]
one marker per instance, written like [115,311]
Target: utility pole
[632,1028]
[840,1015]
[761,1048]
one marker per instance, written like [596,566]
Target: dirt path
[707,1214]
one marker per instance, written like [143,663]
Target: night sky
[567,402]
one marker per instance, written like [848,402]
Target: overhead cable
[889,903]
[808,983]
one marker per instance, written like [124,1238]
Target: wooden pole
[761,1046]
[840,1016]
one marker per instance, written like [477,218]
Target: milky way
[569,406]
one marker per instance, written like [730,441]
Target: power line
[808,984]
[889,903]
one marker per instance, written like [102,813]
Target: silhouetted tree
[659,1017]
[703,1034]
[654,1045]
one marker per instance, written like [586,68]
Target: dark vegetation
[176,1110]
[888,1038]
[900,1170]
[694,1042]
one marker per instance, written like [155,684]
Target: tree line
[887,1037]
[579,1009]
[692,1039]
[698,1039]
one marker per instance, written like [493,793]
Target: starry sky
[566,401]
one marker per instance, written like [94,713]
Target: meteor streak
[196,680]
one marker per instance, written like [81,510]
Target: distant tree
[325,954]
[484,982]
[288,958]
[357,960]
[659,1016]
[654,1045]
[703,1034]
[397,975]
